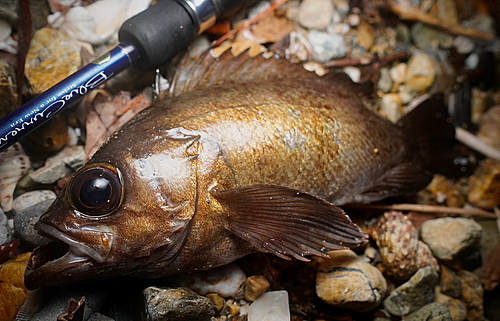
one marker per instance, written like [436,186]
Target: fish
[243,155]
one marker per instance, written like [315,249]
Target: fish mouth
[57,262]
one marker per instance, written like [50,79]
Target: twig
[381,62]
[474,142]
[422,208]
[415,14]
[248,22]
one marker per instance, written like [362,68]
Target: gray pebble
[63,164]
[325,46]
[182,304]
[431,312]
[29,199]
[24,223]
[464,45]
[414,294]
[5,232]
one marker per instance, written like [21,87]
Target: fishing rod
[147,40]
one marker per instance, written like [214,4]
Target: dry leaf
[108,116]
[270,29]
[74,310]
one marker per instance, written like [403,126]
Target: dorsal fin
[209,71]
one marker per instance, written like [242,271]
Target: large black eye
[96,189]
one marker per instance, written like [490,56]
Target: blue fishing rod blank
[147,40]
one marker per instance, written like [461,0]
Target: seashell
[402,253]
[13,165]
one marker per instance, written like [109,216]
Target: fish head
[117,216]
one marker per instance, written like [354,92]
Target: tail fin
[430,136]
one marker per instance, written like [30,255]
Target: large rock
[449,237]
[182,304]
[346,280]
[414,294]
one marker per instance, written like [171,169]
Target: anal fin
[288,222]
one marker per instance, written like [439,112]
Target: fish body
[242,158]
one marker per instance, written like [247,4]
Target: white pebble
[270,306]
[315,13]
[353,20]
[353,72]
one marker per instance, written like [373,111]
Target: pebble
[472,295]
[457,309]
[5,232]
[427,38]
[353,72]
[391,107]
[256,285]
[365,35]
[217,301]
[179,304]
[398,73]
[228,281]
[12,290]
[95,297]
[341,6]
[271,306]
[450,283]
[420,73]
[24,223]
[385,82]
[315,14]
[326,47]
[431,312]
[62,164]
[347,281]
[489,126]
[29,199]
[444,190]
[353,20]
[14,163]
[414,294]
[464,45]
[436,233]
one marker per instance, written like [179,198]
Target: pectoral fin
[288,222]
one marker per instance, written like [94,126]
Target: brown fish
[246,155]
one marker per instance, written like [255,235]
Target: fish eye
[96,189]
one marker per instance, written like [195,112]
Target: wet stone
[450,283]
[271,306]
[29,199]
[431,312]
[457,309]
[181,304]
[63,164]
[346,280]
[24,223]
[5,232]
[315,14]
[414,294]
[436,233]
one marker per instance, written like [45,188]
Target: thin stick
[248,22]
[422,208]
[476,143]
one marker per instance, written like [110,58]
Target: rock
[52,57]
[420,73]
[5,232]
[457,309]
[24,223]
[484,185]
[444,190]
[8,88]
[489,124]
[12,290]
[398,73]
[490,272]
[29,199]
[347,281]
[259,7]
[96,316]
[182,304]
[427,38]
[353,72]
[14,163]
[414,294]
[326,47]
[341,6]
[271,306]
[450,283]
[402,253]
[217,301]
[365,35]
[391,107]
[58,166]
[353,20]
[95,297]
[450,237]
[472,295]
[255,286]
[315,67]
[315,14]
[464,45]
[228,281]
[430,312]
[385,82]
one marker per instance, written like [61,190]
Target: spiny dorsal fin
[209,71]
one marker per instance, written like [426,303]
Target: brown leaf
[107,117]
[74,311]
